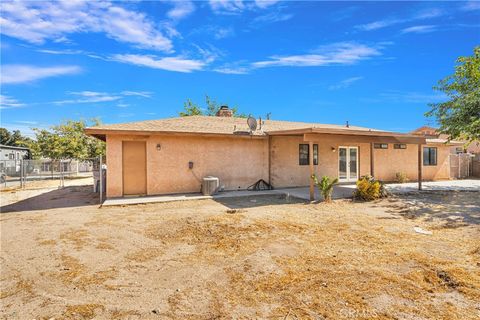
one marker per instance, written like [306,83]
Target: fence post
[101,179]
[22,184]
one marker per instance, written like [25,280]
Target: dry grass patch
[144,255]
[75,237]
[21,286]
[82,311]
[50,242]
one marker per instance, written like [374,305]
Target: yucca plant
[325,186]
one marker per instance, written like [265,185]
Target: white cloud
[89,97]
[221,33]
[96,97]
[343,53]
[167,63]
[227,6]
[379,24]
[272,17]
[421,15]
[39,21]
[265,3]
[344,83]
[144,94]
[17,73]
[230,70]
[181,9]
[471,6]
[420,29]
[7,102]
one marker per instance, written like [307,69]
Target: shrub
[401,177]
[369,189]
[325,186]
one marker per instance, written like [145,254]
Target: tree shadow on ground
[451,208]
[72,196]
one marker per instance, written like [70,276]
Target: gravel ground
[255,257]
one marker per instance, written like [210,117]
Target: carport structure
[353,147]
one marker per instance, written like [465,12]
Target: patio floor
[340,191]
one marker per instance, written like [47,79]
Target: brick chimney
[224,111]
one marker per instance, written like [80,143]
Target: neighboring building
[10,157]
[13,153]
[173,155]
[456,146]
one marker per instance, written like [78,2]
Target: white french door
[347,164]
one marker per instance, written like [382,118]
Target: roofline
[355,132]
[101,133]
[14,147]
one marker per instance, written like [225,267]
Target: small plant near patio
[325,186]
[369,189]
[401,177]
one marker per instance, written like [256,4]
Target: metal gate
[461,165]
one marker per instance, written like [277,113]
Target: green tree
[13,138]
[192,109]
[67,141]
[459,117]
[5,136]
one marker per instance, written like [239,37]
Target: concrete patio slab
[186,196]
[340,191]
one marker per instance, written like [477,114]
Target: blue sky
[371,63]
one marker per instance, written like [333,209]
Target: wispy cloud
[272,17]
[97,97]
[221,33]
[388,22]
[166,63]
[471,6]
[227,6]
[144,94]
[344,53]
[265,3]
[232,70]
[181,9]
[89,97]
[231,7]
[344,83]
[7,102]
[420,29]
[19,73]
[39,21]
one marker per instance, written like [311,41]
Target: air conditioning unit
[210,185]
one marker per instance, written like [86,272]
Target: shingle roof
[214,125]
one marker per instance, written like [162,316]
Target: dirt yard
[256,257]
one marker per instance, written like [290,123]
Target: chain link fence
[46,173]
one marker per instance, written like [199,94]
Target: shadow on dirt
[452,209]
[72,196]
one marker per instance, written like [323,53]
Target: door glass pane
[353,163]
[342,163]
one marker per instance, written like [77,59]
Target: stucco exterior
[240,161]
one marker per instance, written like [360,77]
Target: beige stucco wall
[237,162]
[286,172]
[241,161]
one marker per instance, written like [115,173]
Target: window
[380,146]
[399,146]
[304,155]
[429,156]
[11,156]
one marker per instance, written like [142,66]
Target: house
[13,153]
[456,146]
[173,155]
